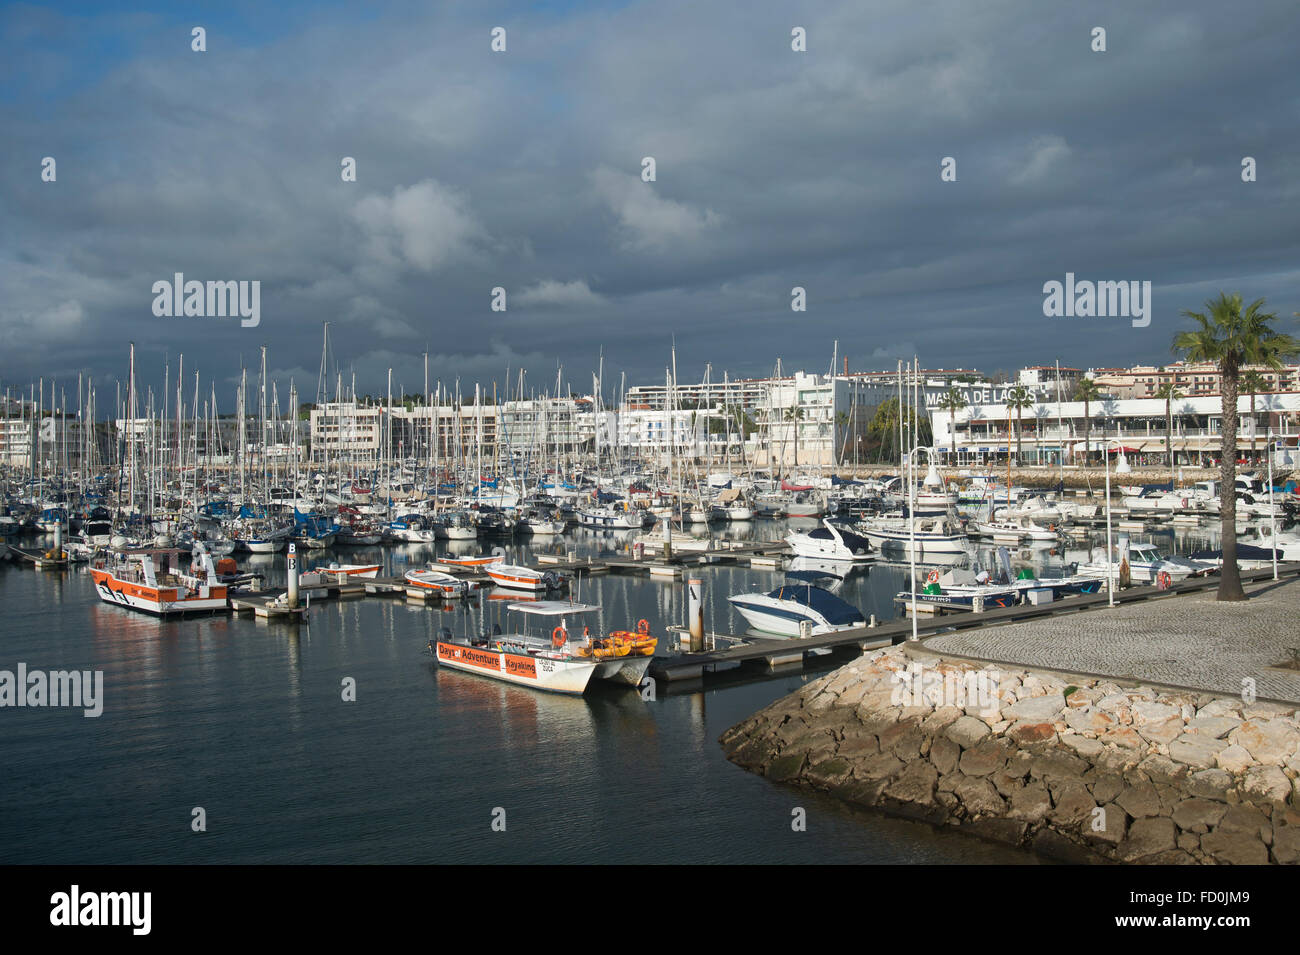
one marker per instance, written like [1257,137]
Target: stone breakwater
[1083,771]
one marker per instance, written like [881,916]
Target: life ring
[643,627]
[932,577]
[1184,502]
[586,631]
[559,636]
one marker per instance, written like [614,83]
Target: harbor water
[248,722]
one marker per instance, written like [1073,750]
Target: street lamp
[931,478]
[1121,467]
[1272,519]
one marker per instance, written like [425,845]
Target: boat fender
[559,637]
[643,627]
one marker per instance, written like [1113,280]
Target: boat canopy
[551,608]
[835,610]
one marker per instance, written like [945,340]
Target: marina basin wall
[1083,772]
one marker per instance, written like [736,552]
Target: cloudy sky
[522,169]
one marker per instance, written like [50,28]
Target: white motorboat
[932,535]
[783,611]
[831,542]
[518,577]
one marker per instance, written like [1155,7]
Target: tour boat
[526,658]
[153,581]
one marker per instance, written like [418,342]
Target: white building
[1048,430]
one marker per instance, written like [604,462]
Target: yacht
[783,611]
[831,542]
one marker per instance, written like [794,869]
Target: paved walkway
[1190,641]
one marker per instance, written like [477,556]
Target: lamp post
[1272,519]
[931,477]
[1121,467]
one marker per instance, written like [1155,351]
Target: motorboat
[518,577]
[785,611]
[831,542]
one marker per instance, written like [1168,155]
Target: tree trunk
[1019,430]
[1230,574]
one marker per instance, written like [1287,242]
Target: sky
[522,170]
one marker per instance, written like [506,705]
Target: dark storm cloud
[522,170]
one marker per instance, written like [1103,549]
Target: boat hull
[541,673]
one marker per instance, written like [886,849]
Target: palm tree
[1252,382]
[1231,338]
[1170,393]
[952,402]
[1087,392]
[1019,398]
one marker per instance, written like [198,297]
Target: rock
[1215,727]
[1220,708]
[1106,787]
[984,758]
[1082,697]
[1162,769]
[979,797]
[1234,759]
[1026,732]
[1140,800]
[1246,819]
[1146,837]
[1234,847]
[1286,844]
[857,743]
[1199,751]
[1037,709]
[1144,713]
[1088,720]
[1164,731]
[880,766]
[1004,782]
[1031,804]
[1056,764]
[944,754]
[1210,784]
[1081,745]
[828,772]
[915,784]
[967,731]
[1010,831]
[940,720]
[903,739]
[1123,736]
[1266,784]
[1269,741]
[1198,815]
[1073,804]
[1110,825]
[787,767]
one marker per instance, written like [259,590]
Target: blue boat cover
[835,610]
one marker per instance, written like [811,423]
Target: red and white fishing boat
[518,577]
[153,581]
[447,584]
[481,561]
[352,570]
[526,658]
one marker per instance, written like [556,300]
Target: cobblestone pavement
[1192,641]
